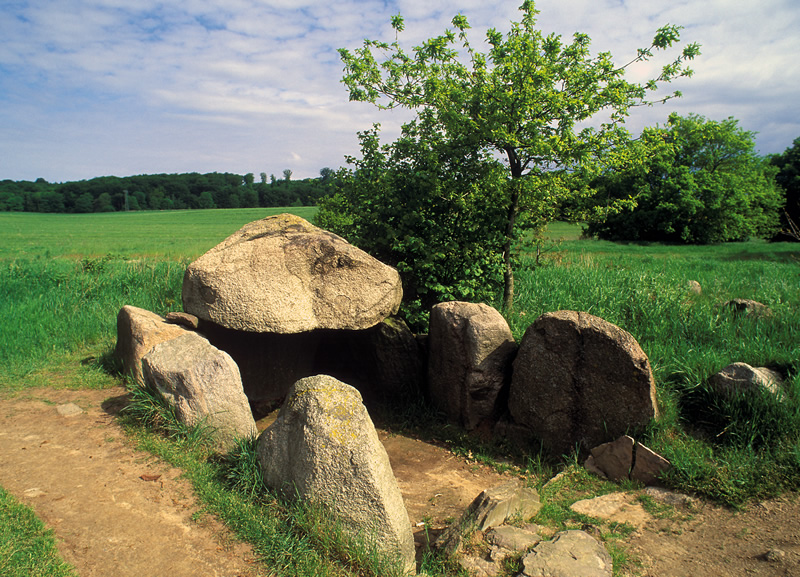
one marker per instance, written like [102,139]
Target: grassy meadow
[64,277]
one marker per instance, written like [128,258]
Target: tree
[287,175]
[437,223]
[700,182]
[788,177]
[523,99]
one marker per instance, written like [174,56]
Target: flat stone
[614,507]
[513,538]
[69,410]
[613,459]
[569,554]
[648,466]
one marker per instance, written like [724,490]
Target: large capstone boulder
[469,366]
[580,381]
[138,331]
[284,275]
[323,447]
[203,385]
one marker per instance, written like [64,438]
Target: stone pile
[282,312]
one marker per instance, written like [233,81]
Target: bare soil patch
[120,512]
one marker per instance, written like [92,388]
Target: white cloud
[91,87]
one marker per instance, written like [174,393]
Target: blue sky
[120,87]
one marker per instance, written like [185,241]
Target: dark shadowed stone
[470,353]
[613,459]
[749,308]
[580,381]
[384,362]
[492,508]
[281,274]
[648,465]
[324,447]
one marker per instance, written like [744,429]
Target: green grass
[177,234]
[63,279]
[291,538]
[27,548]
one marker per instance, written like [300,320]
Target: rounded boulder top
[281,274]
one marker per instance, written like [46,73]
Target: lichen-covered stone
[324,447]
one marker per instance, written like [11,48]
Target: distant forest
[164,192]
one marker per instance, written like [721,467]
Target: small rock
[513,538]
[774,556]
[740,378]
[671,497]
[569,554]
[648,465]
[615,507]
[492,508]
[613,459]
[694,287]
[33,492]
[69,410]
[478,567]
[749,307]
[191,322]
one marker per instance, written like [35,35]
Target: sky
[121,87]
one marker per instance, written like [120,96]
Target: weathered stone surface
[580,381]
[203,384]
[671,497]
[741,378]
[513,538]
[470,353]
[694,287]
[614,507]
[749,307]
[323,446]
[492,508]
[283,275]
[138,331]
[648,465]
[191,322]
[569,554]
[477,567]
[613,459]
[69,410]
[626,459]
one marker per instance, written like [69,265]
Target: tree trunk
[511,220]
[508,272]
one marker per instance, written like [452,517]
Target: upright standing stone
[138,331]
[579,380]
[470,353]
[324,447]
[203,384]
[283,275]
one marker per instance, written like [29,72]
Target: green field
[63,279]
[177,234]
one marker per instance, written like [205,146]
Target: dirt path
[86,483]
[118,512]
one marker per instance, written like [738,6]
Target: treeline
[164,192]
